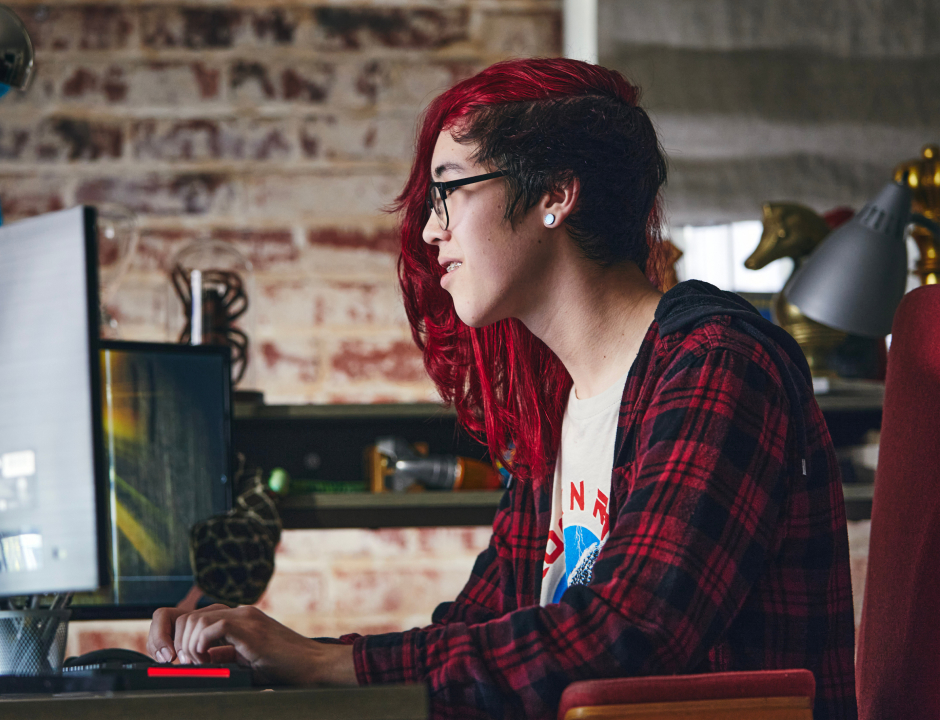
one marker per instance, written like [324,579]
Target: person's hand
[245,635]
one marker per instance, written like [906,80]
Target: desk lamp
[16,55]
[856,278]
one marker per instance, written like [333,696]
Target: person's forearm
[333,665]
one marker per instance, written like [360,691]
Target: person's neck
[594,319]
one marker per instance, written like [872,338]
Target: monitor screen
[166,418]
[50,429]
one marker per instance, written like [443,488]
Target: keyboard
[158,676]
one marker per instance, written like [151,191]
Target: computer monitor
[166,418]
[51,518]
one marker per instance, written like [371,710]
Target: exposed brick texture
[208,139]
[24,196]
[285,129]
[327,304]
[163,194]
[339,28]
[61,139]
[57,28]
[367,359]
[381,240]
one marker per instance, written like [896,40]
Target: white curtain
[793,100]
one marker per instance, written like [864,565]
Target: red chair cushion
[898,658]
[683,688]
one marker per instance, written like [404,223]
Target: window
[716,254]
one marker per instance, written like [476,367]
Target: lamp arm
[926,222]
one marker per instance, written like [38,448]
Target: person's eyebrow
[445,166]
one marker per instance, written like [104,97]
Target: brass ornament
[923,178]
[794,231]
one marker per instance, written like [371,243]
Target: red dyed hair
[508,387]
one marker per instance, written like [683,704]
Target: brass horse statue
[794,231]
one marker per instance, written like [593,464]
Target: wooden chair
[898,659]
[760,695]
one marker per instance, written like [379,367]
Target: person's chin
[474,319]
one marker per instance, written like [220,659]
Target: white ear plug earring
[549,220]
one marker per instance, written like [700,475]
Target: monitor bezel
[113,611]
[90,215]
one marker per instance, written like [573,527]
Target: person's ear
[558,204]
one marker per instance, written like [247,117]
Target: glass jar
[210,286]
[118,234]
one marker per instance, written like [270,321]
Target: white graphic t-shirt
[581,491]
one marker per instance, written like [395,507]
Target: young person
[676,505]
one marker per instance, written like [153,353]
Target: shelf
[858,498]
[385,510]
[387,411]
[851,403]
[326,442]
[860,395]
[838,395]
[434,509]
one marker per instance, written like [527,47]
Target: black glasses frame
[441,188]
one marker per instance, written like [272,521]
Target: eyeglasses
[438,191]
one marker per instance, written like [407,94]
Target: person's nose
[432,233]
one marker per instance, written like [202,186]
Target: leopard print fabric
[232,555]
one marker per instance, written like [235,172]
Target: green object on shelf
[304,487]
[279,481]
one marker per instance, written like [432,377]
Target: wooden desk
[398,702]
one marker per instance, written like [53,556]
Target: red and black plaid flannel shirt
[722,554]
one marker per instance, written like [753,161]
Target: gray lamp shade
[16,51]
[855,279]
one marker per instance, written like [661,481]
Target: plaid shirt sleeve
[706,493]
[490,592]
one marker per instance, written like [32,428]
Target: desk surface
[392,702]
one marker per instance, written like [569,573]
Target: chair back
[757,695]
[898,656]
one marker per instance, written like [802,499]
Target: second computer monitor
[167,444]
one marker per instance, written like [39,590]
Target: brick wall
[283,129]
